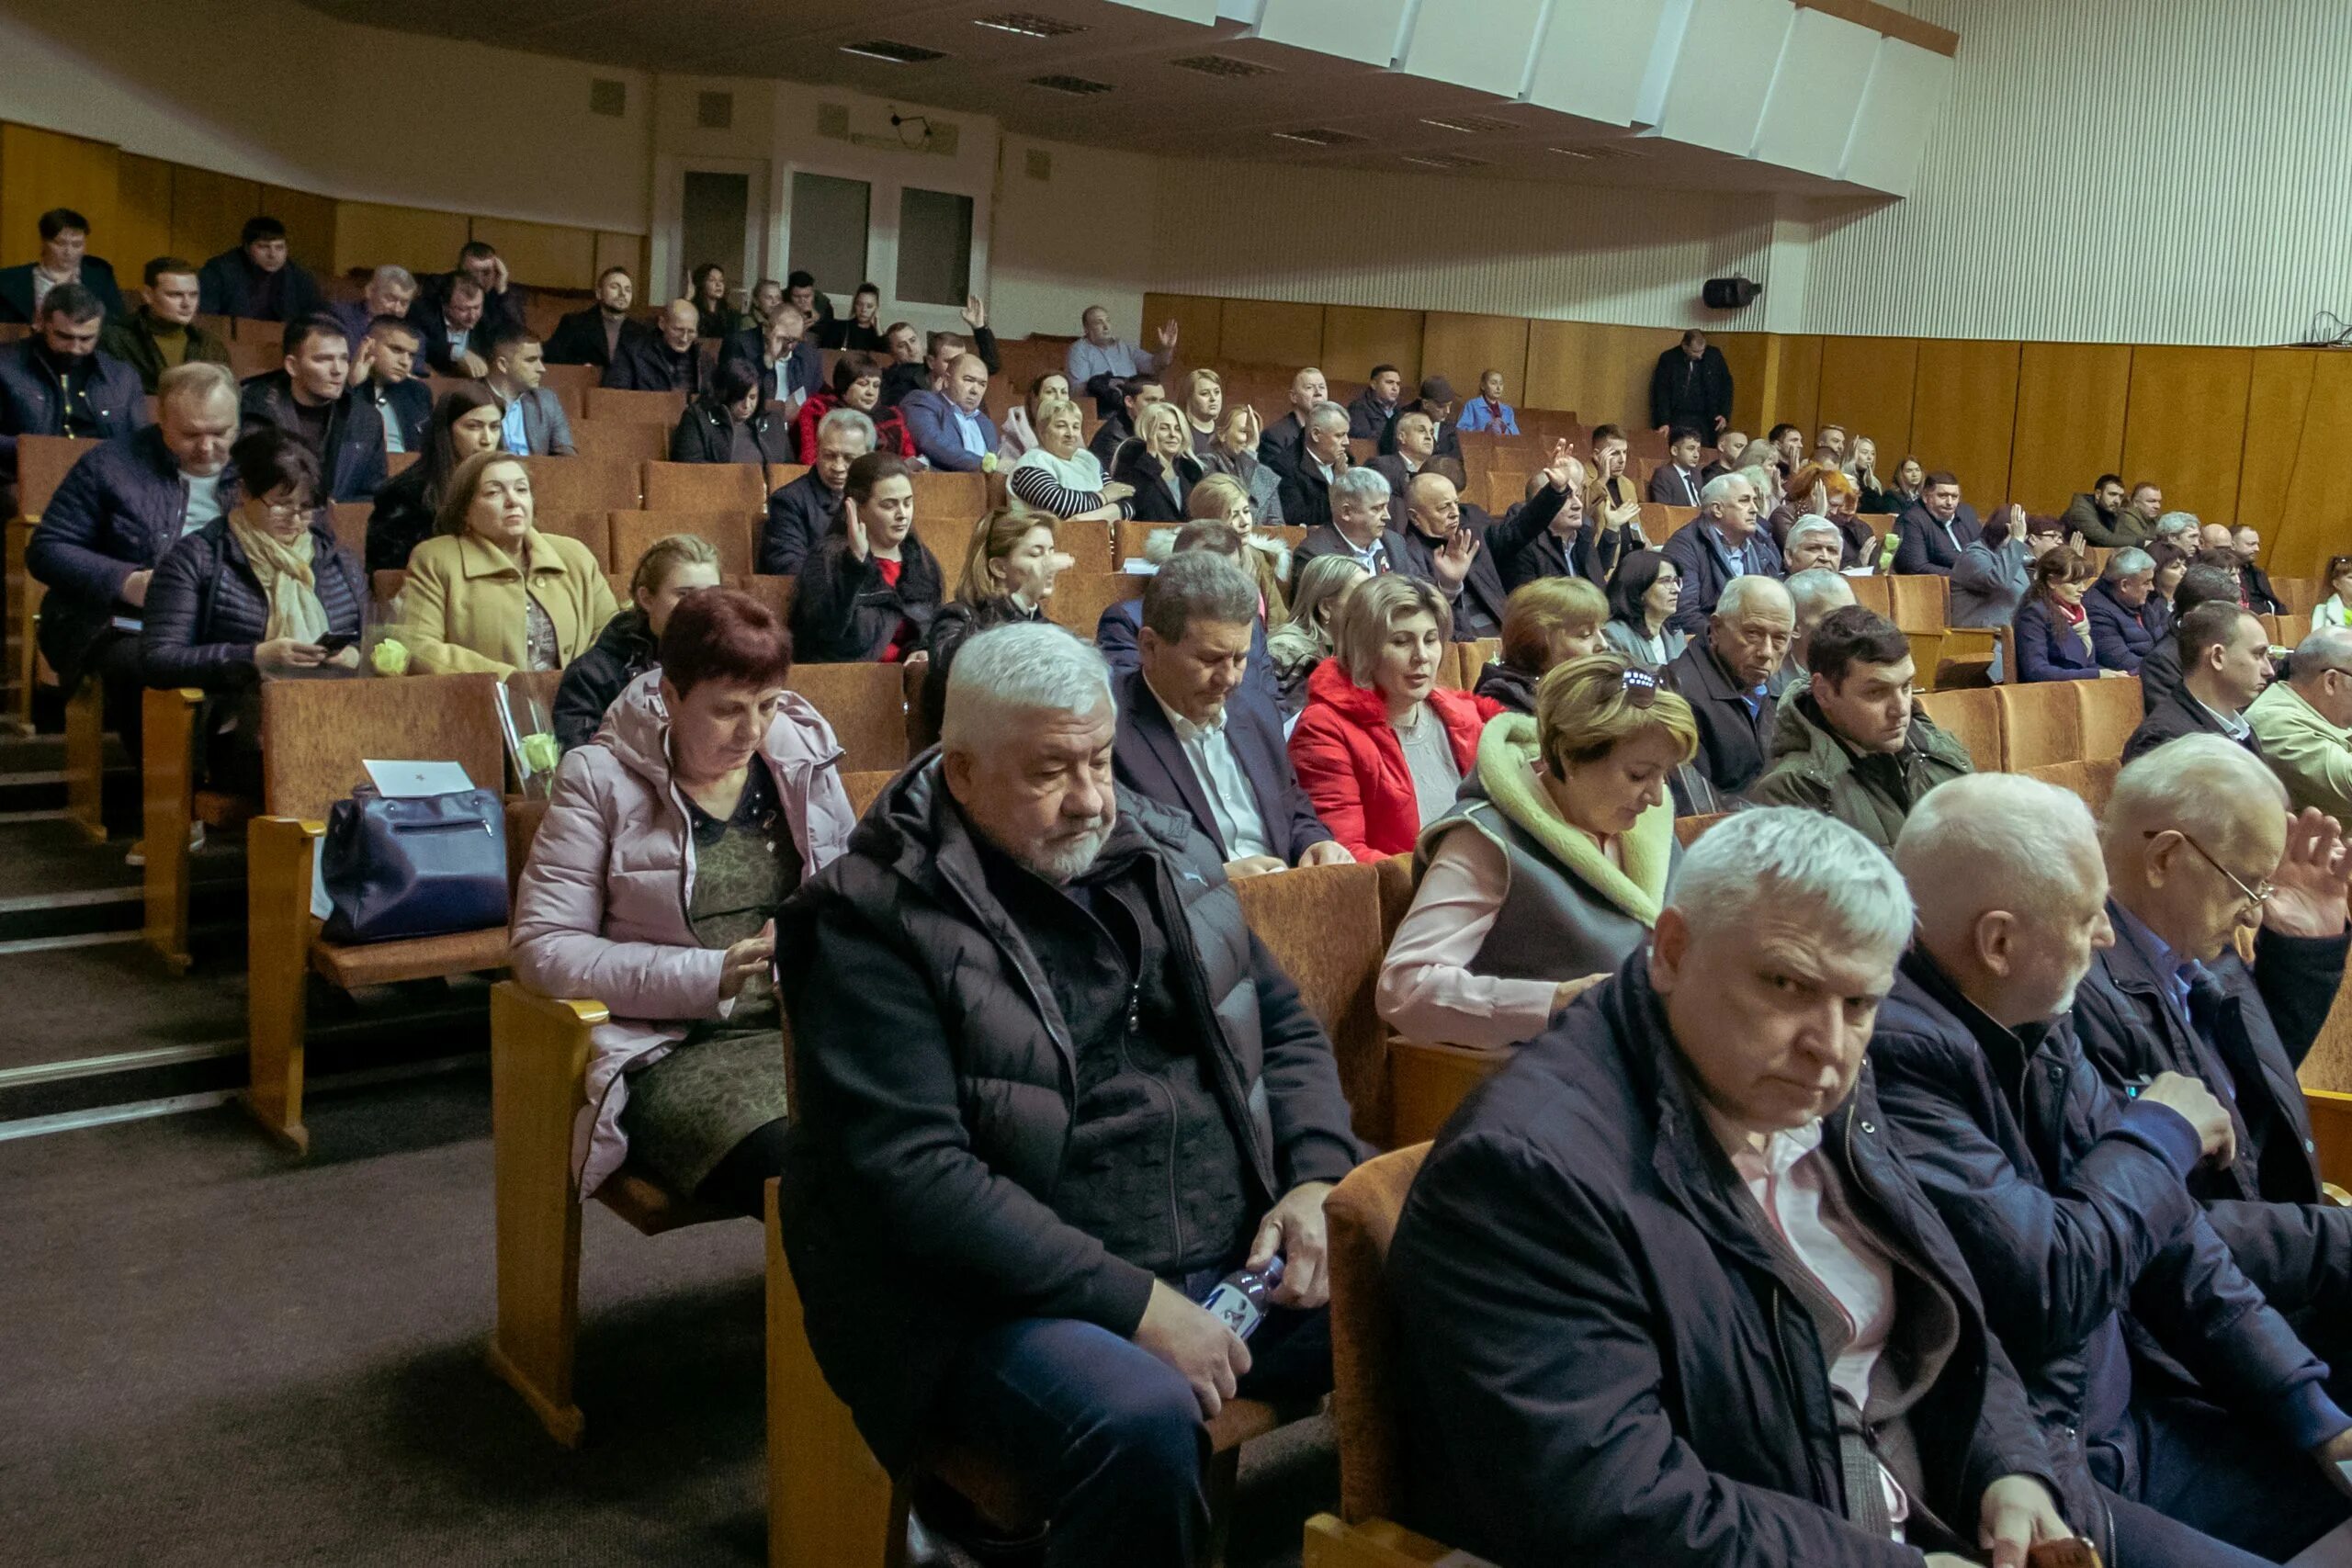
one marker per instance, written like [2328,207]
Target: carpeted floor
[211,1355]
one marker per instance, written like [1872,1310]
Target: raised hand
[2312,879]
[854,526]
[975,313]
[1562,470]
[1452,561]
[1168,336]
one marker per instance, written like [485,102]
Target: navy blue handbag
[425,866]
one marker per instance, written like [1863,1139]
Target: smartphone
[336,642]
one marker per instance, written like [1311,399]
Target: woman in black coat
[731,423]
[1158,462]
[628,646]
[263,592]
[466,419]
[869,591]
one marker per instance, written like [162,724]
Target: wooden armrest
[561,1012]
[1377,1543]
[2331,1117]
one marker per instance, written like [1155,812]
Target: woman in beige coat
[490,592]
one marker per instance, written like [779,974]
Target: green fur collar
[1508,756]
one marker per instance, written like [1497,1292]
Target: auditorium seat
[740,488]
[2042,724]
[1322,924]
[963,496]
[2110,712]
[585,484]
[41,465]
[1362,1212]
[634,533]
[1687,829]
[2293,627]
[1973,718]
[1078,602]
[589,528]
[862,787]
[865,704]
[948,536]
[776,593]
[571,384]
[1922,602]
[170,804]
[663,408]
[781,474]
[1875,594]
[2093,782]
[314,734]
[1087,545]
[618,441]
[348,519]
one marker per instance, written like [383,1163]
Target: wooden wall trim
[1889,22]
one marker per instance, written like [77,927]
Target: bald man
[949,427]
[2072,1202]
[1732,678]
[667,360]
[1284,443]
[1442,546]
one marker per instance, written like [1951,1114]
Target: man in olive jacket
[1853,741]
[1050,1089]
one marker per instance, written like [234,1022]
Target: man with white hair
[1101,1095]
[801,514]
[2070,1201]
[1853,741]
[1812,542]
[1732,677]
[1723,545]
[118,512]
[669,359]
[1814,593]
[391,291]
[2202,852]
[1282,446]
[1316,465]
[2304,723]
[1662,1283]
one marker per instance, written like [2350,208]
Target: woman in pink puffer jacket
[707,796]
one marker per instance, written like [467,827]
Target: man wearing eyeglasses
[2304,723]
[2201,853]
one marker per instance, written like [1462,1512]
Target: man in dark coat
[1193,736]
[1283,442]
[1371,409]
[1443,547]
[669,360]
[936,366]
[783,358]
[2068,1200]
[1732,676]
[1691,386]
[384,375]
[2172,996]
[56,382]
[1632,1273]
[1934,529]
[505,304]
[309,401]
[2160,670]
[1101,1095]
[1723,545]
[163,332]
[1320,459]
[594,335]
[257,281]
[1119,635]
[2127,619]
[2225,663]
[2245,540]
[117,513]
[801,514]
[64,258]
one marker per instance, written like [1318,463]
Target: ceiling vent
[1076,86]
[1474,124]
[1028,24]
[895,53]
[714,111]
[608,96]
[1223,65]
[1320,138]
[1444,161]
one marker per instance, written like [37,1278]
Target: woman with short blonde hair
[1223,498]
[1235,452]
[1551,870]
[1203,403]
[1546,622]
[1305,641]
[1159,464]
[1060,477]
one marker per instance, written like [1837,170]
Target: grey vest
[1553,925]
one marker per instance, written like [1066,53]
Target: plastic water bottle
[1241,1298]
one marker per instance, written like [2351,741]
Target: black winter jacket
[2266,1205]
[622,651]
[958,622]
[206,611]
[402,519]
[105,397]
[2071,1208]
[799,516]
[843,612]
[706,434]
[1600,1361]
[354,467]
[918,1186]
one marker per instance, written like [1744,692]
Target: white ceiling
[1153,106]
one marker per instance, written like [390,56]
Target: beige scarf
[284,572]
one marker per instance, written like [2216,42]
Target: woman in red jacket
[1381,749]
[857,384]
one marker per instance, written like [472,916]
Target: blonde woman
[1060,477]
[1304,642]
[490,592]
[1565,823]
[1008,575]
[1221,498]
[1235,452]
[1159,464]
[1204,408]
[630,642]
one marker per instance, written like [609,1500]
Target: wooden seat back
[315,734]
[740,488]
[942,494]
[2093,782]
[2110,712]
[42,463]
[1322,924]
[634,533]
[1362,1212]
[663,408]
[2042,724]
[1922,602]
[584,484]
[1687,829]
[1078,602]
[1875,594]
[588,528]
[865,704]
[618,441]
[1972,717]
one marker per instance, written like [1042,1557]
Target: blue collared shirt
[2161,960]
[968,428]
[518,440]
[1734,558]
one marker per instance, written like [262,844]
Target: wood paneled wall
[2234,434]
[140,208]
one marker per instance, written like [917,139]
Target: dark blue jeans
[1107,1435]
[2214,1471]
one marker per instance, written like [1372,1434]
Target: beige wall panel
[1866,385]
[42,169]
[2279,392]
[2071,402]
[1459,347]
[143,217]
[1356,338]
[370,234]
[1199,324]
[310,226]
[208,211]
[2185,426]
[1963,413]
[1269,331]
[543,255]
[2319,494]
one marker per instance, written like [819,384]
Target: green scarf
[1508,756]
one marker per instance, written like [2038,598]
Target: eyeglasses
[285,508]
[2258,895]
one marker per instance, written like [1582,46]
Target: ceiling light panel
[894,52]
[1028,24]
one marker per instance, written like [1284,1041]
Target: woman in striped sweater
[1061,475]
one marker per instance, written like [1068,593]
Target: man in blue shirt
[1722,547]
[1100,364]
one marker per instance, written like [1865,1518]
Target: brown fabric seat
[314,734]
[1973,718]
[41,465]
[1922,602]
[2110,712]
[635,532]
[1362,1212]
[589,527]
[663,408]
[867,705]
[2093,782]
[738,488]
[1078,602]
[619,441]
[585,484]
[1688,829]
[421,958]
[2041,723]
[1322,924]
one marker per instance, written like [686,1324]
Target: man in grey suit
[536,425]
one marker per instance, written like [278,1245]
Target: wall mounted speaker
[1731,293]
